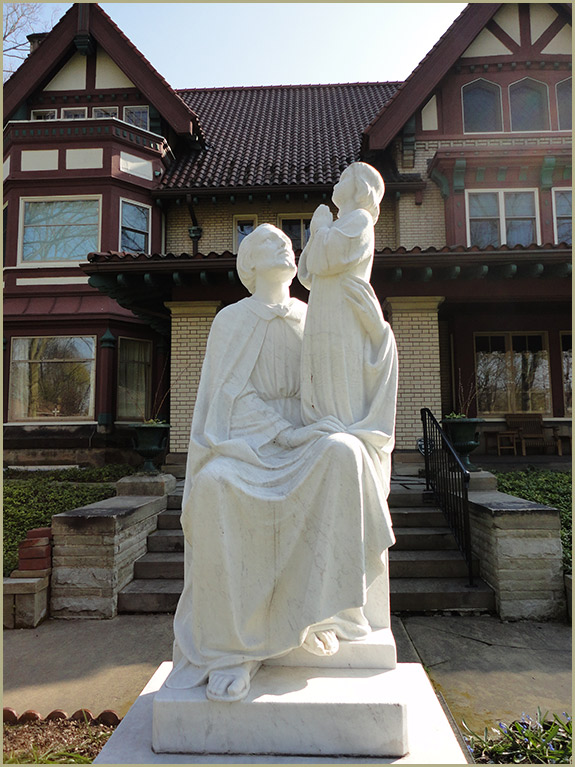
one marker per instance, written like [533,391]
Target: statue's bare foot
[321,642]
[231,684]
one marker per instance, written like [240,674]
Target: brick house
[473,243]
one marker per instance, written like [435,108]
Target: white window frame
[140,205]
[496,85]
[554,190]
[237,219]
[46,419]
[104,117]
[501,202]
[84,111]
[137,106]
[35,112]
[538,130]
[21,264]
[566,80]
[301,216]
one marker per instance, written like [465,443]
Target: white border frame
[537,130]
[238,217]
[35,111]
[77,109]
[501,202]
[477,133]
[20,264]
[106,117]
[140,205]
[44,419]
[554,190]
[136,106]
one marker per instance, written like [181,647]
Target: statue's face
[344,190]
[275,254]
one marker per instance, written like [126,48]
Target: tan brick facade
[416,332]
[191,323]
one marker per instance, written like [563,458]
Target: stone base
[363,713]
[25,602]
[146,484]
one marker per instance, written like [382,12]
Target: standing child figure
[349,357]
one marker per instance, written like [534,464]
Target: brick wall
[416,332]
[191,323]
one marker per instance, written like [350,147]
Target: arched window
[481,107]
[529,105]
[564,104]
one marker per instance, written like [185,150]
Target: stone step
[428,564]
[170,520]
[175,499]
[431,594]
[150,596]
[161,564]
[417,516]
[166,540]
[423,538]
[408,495]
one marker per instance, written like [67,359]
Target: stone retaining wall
[518,544]
[95,548]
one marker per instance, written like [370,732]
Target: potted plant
[152,433]
[461,430]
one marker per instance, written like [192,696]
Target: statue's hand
[300,436]
[321,217]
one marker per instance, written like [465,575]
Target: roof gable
[481,31]
[83,24]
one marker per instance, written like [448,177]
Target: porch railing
[448,479]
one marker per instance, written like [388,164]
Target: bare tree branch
[19,20]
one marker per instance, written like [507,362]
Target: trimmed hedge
[548,487]
[111,473]
[33,503]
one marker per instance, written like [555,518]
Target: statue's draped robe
[277,538]
[347,372]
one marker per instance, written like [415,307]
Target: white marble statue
[286,523]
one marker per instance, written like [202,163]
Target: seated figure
[286,524]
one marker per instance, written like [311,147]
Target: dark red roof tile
[284,135]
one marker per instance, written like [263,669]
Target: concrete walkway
[485,670]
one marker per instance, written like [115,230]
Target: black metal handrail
[448,479]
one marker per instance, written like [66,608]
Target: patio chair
[532,431]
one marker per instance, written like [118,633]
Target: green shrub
[33,503]
[111,473]
[526,741]
[548,487]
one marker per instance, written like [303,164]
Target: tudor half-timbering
[473,244]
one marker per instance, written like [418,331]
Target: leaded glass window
[137,116]
[565,104]
[482,107]
[529,106]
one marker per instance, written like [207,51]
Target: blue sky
[199,45]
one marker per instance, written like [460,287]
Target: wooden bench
[531,430]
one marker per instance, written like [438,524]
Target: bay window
[138,116]
[502,218]
[562,215]
[135,227]
[52,378]
[59,229]
[512,373]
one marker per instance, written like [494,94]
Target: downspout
[195,231]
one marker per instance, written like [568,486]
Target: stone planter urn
[463,435]
[150,441]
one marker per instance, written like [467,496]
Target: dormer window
[138,116]
[529,102]
[482,107]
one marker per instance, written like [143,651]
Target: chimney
[35,39]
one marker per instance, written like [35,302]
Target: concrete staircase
[427,571]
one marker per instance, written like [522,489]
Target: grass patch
[542,740]
[54,742]
[549,488]
[32,498]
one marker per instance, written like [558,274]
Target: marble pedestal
[430,737]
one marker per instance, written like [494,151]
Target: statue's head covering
[369,187]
